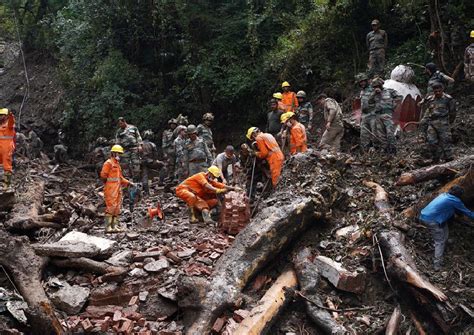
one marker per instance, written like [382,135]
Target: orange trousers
[6,154]
[113,197]
[275,161]
[197,201]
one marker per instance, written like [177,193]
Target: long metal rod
[253,175]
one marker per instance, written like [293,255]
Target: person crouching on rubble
[7,145]
[436,216]
[112,175]
[200,191]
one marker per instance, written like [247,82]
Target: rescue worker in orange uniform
[278,96]
[114,180]
[289,98]
[298,142]
[200,191]
[7,145]
[269,150]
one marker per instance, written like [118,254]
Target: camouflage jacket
[440,107]
[167,141]
[305,113]
[205,133]
[437,77]
[197,151]
[129,137]
[179,146]
[364,100]
[385,102]
[149,150]
[469,62]
[376,40]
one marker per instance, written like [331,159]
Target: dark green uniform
[440,112]
[197,156]
[368,122]
[376,43]
[129,138]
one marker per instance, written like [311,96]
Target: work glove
[236,188]
[221,190]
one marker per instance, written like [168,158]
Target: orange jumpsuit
[298,138]
[193,191]
[114,180]
[290,101]
[7,142]
[269,149]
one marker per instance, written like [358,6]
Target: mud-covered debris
[120,258]
[156,266]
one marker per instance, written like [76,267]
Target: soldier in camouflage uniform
[304,111]
[469,60]
[99,154]
[35,145]
[436,76]
[179,145]
[384,102]
[377,44]
[204,131]
[169,157]
[368,119]
[149,156]
[334,127]
[129,138]
[435,125]
[197,156]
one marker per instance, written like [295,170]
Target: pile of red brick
[235,212]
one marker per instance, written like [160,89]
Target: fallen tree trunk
[109,272]
[393,323]
[26,268]
[441,170]
[24,215]
[308,278]
[401,266]
[255,246]
[269,306]
[466,182]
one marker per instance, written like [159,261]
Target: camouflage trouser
[180,171]
[438,136]
[332,137]
[368,128]
[196,167]
[385,131]
[168,170]
[376,61]
[131,165]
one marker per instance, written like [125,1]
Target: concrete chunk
[106,246]
[70,299]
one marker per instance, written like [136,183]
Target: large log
[26,269]
[269,232]
[24,215]
[441,170]
[274,300]
[108,271]
[308,278]
[466,182]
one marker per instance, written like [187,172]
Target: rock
[16,309]
[340,277]
[138,273]
[132,236]
[110,294]
[120,258]
[70,299]
[157,307]
[142,255]
[156,266]
[106,246]
[142,296]
[186,253]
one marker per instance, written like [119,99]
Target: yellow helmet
[278,95]
[285,84]
[3,111]
[250,132]
[214,170]
[286,116]
[117,148]
[472,33]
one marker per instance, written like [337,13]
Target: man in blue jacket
[436,215]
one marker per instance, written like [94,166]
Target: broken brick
[86,325]
[117,316]
[218,325]
[139,257]
[133,301]
[240,314]
[340,277]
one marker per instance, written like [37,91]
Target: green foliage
[151,60]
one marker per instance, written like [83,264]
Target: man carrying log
[200,193]
[436,215]
[7,145]
[112,175]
